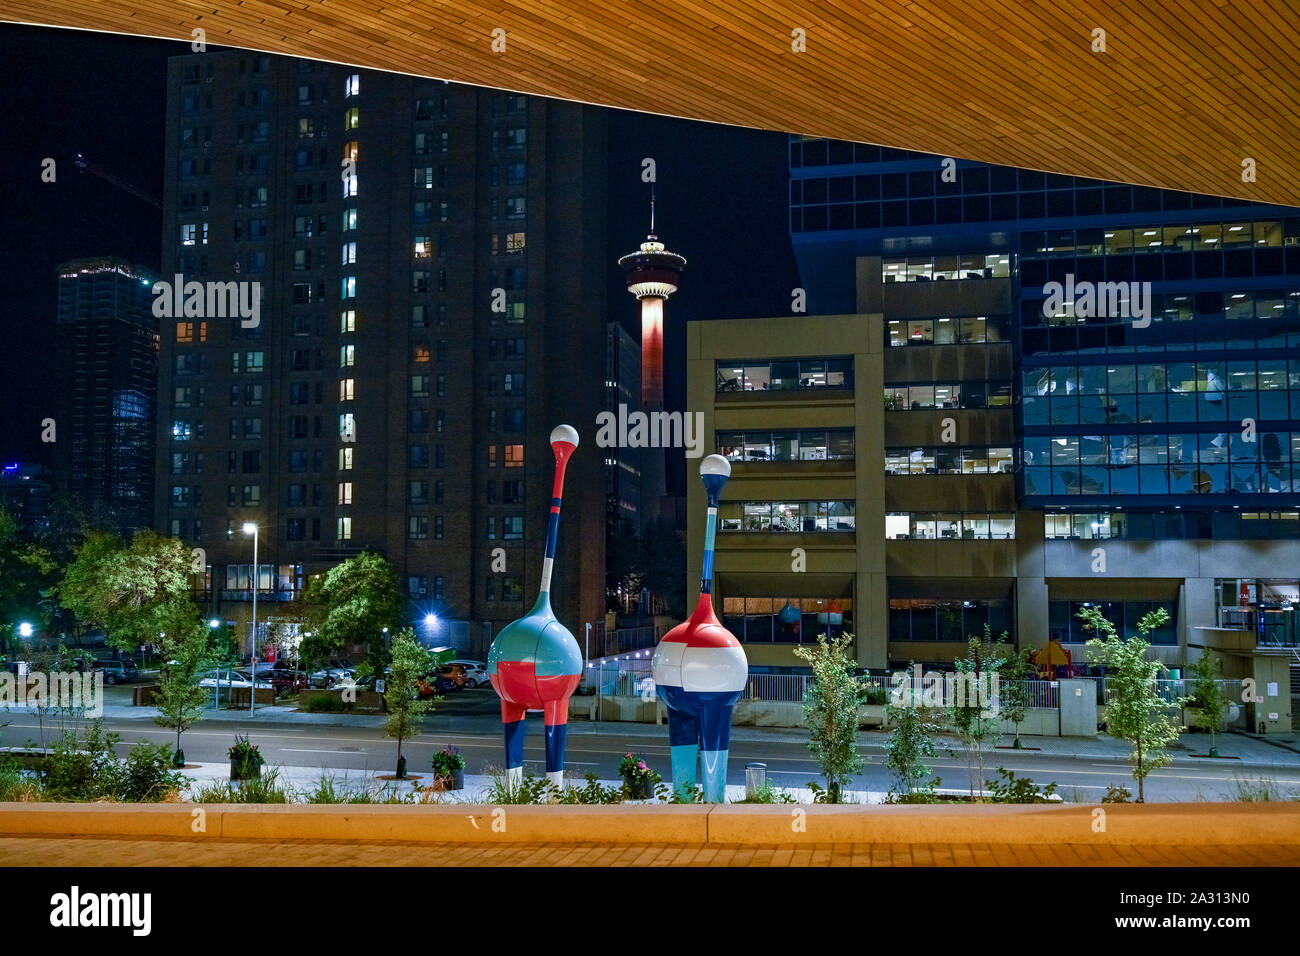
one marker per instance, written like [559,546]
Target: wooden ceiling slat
[1185,90]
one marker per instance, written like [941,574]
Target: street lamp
[250,527]
[25,629]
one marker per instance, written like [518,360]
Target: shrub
[321,702]
[15,785]
[1012,789]
[147,776]
[1116,794]
[1248,790]
[82,768]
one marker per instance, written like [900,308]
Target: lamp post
[250,527]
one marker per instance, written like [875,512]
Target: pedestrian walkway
[97,852]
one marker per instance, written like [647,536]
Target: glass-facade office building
[1154,360]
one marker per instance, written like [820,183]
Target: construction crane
[86,166]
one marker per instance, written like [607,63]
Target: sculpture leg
[556,715]
[715,739]
[683,747]
[512,719]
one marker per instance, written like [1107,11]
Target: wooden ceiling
[1185,91]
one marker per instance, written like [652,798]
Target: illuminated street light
[25,629]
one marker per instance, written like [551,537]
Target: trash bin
[755,778]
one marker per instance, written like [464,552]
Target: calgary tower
[652,276]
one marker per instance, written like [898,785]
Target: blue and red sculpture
[700,670]
[535,663]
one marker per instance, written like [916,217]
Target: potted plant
[245,759]
[638,779]
[449,768]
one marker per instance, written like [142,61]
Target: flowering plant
[447,761]
[246,753]
[634,768]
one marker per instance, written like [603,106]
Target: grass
[1255,790]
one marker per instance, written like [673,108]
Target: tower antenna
[652,209]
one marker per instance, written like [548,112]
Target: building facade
[1086,398]
[428,259]
[107,368]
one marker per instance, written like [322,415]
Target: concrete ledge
[1186,824]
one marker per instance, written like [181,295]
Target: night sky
[721,201]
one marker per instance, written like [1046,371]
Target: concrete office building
[1030,454]
[431,264]
[106,366]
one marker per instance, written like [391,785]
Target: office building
[25,496]
[106,365]
[431,267]
[1124,438]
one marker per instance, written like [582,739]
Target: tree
[352,603]
[26,572]
[1207,698]
[136,593]
[411,662]
[831,711]
[1014,695]
[622,562]
[1136,712]
[910,743]
[179,698]
[974,720]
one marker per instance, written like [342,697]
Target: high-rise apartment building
[430,265]
[106,364]
[1087,396]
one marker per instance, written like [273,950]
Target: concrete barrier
[745,824]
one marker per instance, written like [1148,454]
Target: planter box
[254,770]
[452,781]
[239,697]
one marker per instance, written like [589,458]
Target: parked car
[230,678]
[285,680]
[118,672]
[455,673]
[476,672]
[329,676]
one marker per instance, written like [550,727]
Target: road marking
[292,750]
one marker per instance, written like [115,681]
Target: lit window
[187,234]
[349,219]
[349,253]
[421,354]
[348,321]
[346,387]
[345,529]
[252,361]
[350,150]
[347,427]
[352,85]
[345,459]
[514,456]
[515,242]
[347,356]
[345,492]
[348,289]
[423,247]
[185,332]
[352,118]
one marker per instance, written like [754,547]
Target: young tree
[910,743]
[831,711]
[1136,712]
[1208,699]
[974,722]
[179,698]
[411,662]
[352,604]
[1014,690]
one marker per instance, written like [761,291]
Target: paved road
[599,748]
[28,851]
